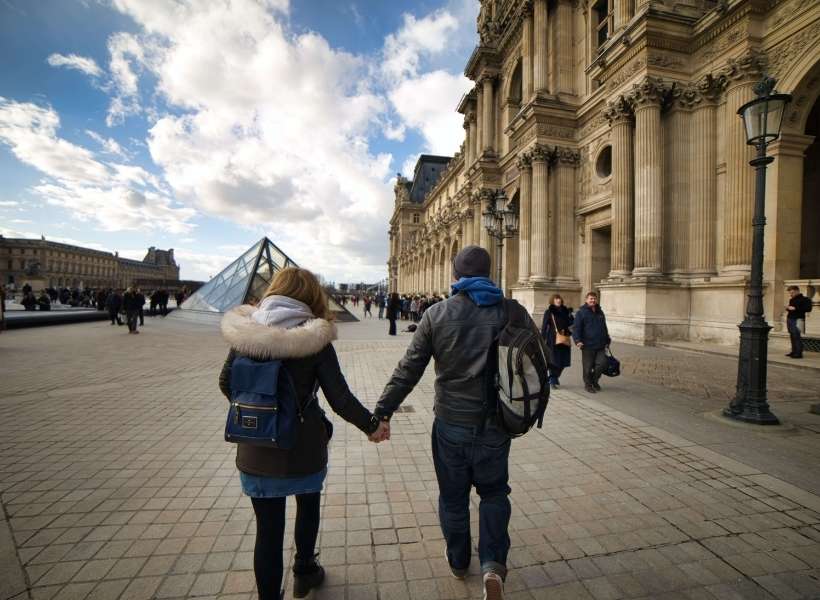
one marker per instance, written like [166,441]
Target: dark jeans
[593,362]
[270,536]
[115,317]
[466,457]
[392,327]
[794,335]
[142,316]
[131,317]
[554,374]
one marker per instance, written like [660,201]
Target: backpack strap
[490,387]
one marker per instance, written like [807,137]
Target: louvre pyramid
[245,281]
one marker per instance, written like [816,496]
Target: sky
[202,125]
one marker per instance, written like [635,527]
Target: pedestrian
[154,301]
[796,311]
[380,303]
[29,301]
[113,303]
[368,303]
[555,329]
[141,302]
[393,312]
[292,323]
[469,448]
[130,303]
[44,302]
[592,337]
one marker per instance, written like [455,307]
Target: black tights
[270,535]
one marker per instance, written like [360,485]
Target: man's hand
[381,434]
[579,344]
[790,308]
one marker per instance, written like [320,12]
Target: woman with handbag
[292,323]
[556,332]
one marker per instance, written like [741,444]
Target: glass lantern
[763,116]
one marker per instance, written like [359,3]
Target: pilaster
[525,218]
[539,249]
[567,160]
[619,114]
[540,58]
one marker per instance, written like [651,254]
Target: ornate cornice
[542,153]
[748,67]
[567,156]
[705,91]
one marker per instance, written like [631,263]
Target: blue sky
[204,124]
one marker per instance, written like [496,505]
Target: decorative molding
[691,95]
[542,153]
[567,156]
[650,91]
[747,67]
[524,162]
[784,55]
[555,131]
[618,110]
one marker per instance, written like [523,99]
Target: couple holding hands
[293,323]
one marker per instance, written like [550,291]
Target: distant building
[53,264]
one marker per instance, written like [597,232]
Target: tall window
[602,14]
[415,218]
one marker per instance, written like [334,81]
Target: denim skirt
[257,486]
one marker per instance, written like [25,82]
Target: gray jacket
[457,334]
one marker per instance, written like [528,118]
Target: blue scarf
[481,290]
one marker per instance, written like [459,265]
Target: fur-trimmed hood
[250,338]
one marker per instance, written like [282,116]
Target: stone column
[677,178]
[527,54]
[479,120]
[540,64]
[488,114]
[622,13]
[741,74]
[466,228]
[539,246]
[524,218]
[646,99]
[703,179]
[564,71]
[473,138]
[564,263]
[477,228]
[619,115]
[485,241]
[468,144]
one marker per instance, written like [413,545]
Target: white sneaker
[493,587]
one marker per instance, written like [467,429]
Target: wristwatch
[374,424]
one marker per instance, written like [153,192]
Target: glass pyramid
[245,280]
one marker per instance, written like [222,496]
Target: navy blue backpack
[265,410]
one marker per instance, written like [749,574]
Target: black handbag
[613,365]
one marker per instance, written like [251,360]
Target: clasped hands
[381,434]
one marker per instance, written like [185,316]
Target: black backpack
[516,380]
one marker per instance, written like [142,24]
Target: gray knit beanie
[472,261]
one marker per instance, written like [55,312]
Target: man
[469,448]
[796,311]
[130,303]
[141,301]
[113,302]
[592,337]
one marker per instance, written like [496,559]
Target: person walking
[469,447]
[393,312]
[292,323]
[130,304]
[414,309]
[592,337]
[555,329]
[113,303]
[796,311]
[368,303]
[141,301]
[380,303]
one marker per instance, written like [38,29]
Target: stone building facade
[51,264]
[611,127]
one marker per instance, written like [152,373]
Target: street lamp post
[762,118]
[500,221]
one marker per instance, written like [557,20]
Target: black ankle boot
[307,574]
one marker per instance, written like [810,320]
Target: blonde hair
[301,285]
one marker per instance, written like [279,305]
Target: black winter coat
[590,328]
[560,354]
[308,356]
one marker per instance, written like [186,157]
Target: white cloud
[9,203]
[409,166]
[269,129]
[73,61]
[109,145]
[126,55]
[114,196]
[425,100]
[427,103]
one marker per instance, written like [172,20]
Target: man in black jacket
[592,337]
[131,305]
[797,308]
[469,449]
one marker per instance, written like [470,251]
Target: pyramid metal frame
[263,250]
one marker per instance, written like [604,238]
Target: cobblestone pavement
[116,483]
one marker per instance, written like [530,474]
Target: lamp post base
[750,404]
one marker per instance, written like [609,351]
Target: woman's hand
[381,434]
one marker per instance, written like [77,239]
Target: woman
[291,323]
[393,311]
[555,327]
